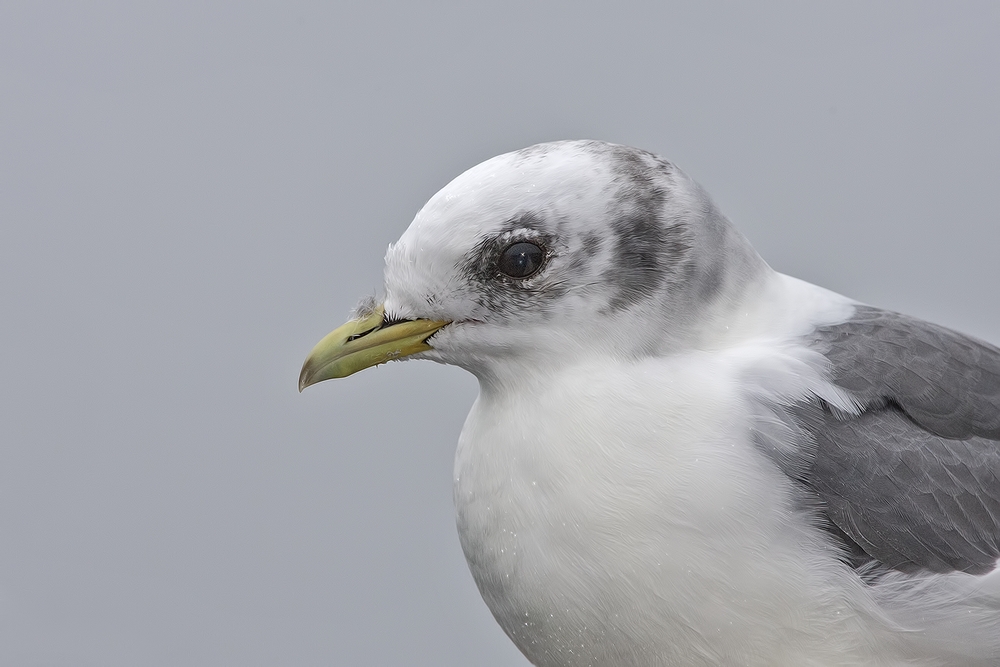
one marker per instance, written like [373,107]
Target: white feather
[611,502]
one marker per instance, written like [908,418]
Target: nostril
[363,333]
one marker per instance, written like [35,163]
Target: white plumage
[644,480]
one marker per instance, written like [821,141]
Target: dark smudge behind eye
[648,249]
[504,294]
[645,249]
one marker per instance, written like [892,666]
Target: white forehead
[562,178]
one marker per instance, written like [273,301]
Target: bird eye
[520,260]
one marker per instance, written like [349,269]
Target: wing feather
[914,479]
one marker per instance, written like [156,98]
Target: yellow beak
[365,342]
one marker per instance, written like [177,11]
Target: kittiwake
[678,455]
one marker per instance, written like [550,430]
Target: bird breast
[618,509]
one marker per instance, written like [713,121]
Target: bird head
[551,253]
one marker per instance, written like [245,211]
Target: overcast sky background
[193,194]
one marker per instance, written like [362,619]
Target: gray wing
[913,482]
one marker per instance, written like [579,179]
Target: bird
[678,455]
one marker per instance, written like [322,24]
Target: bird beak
[366,341]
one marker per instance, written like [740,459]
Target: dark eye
[520,260]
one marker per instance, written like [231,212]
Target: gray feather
[914,480]
[946,382]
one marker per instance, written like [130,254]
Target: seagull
[679,456]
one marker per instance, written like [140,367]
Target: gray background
[191,195]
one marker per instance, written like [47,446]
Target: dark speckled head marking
[641,246]
[623,232]
[647,249]
[500,293]
[590,244]
[580,257]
